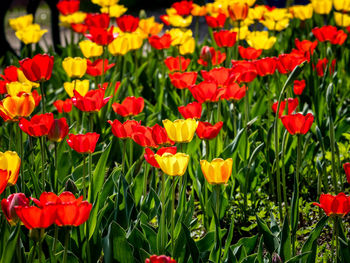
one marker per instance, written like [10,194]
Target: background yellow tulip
[173,164]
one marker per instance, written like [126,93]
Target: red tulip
[97,20]
[38,125]
[67,7]
[225,38]
[38,68]
[218,75]
[234,92]
[36,97]
[183,80]
[165,19]
[105,85]
[299,86]
[83,143]
[183,8]
[128,23]
[297,123]
[4,178]
[98,67]
[92,101]
[173,63]
[130,106]
[212,56]
[160,136]
[149,155]
[8,206]
[286,63]
[338,205]
[162,42]
[243,71]
[79,28]
[123,130]
[216,22]
[266,66]
[331,34]
[35,217]
[101,36]
[306,46]
[59,130]
[249,52]
[322,65]
[206,92]
[72,211]
[292,105]
[207,131]
[160,259]
[346,167]
[192,110]
[142,135]
[63,105]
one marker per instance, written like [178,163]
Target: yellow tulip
[302,12]
[22,22]
[188,47]
[179,21]
[257,12]
[274,25]
[179,37]
[322,7]
[124,43]
[180,130]
[81,86]
[13,107]
[31,34]
[342,19]
[74,67]
[105,3]
[260,40]
[90,49]
[75,18]
[171,11]
[216,8]
[342,5]
[218,171]
[149,26]
[173,164]
[114,10]
[12,162]
[198,10]
[22,78]
[14,88]
[242,32]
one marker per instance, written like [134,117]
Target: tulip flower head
[216,21]
[297,123]
[234,92]
[338,205]
[31,34]
[38,68]
[149,155]
[128,23]
[183,80]
[292,105]
[192,110]
[207,131]
[123,130]
[14,107]
[59,130]
[68,7]
[83,143]
[8,206]
[21,22]
[11,162]
[249,53]
[80,86]
[131,106]
[173,63]
[74,67]
[97,20]
[159,43]
[181,131]
[225,38]
[218,171]
[90,49]
[39,125]
[173,164]
[98,67]
[299,86]
[162,258]
[93,101]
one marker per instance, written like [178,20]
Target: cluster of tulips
[212,85]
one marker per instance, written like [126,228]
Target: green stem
[32,255]
[332,141]
[22,158]
[66,244]
[285,138]
[131,152]
[145,176]
[54,246]
[172,215]
[336,230]
[162,216]
[218,191]
[234,119]
[56,172]
[41,244]
[84,186]
[43,107]
[89,170]
[42,162]
[124,155]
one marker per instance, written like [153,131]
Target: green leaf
[270,240]
[10,248]
[99,174]
[191,245]
[298,258]
[285,244]
[231,148]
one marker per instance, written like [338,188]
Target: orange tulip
[218,171]
[13,107]
[238,11]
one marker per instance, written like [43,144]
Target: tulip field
[141,141]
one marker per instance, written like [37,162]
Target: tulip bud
[8,206]
[205,54]
[71,187]
[276,258]
[59,129]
